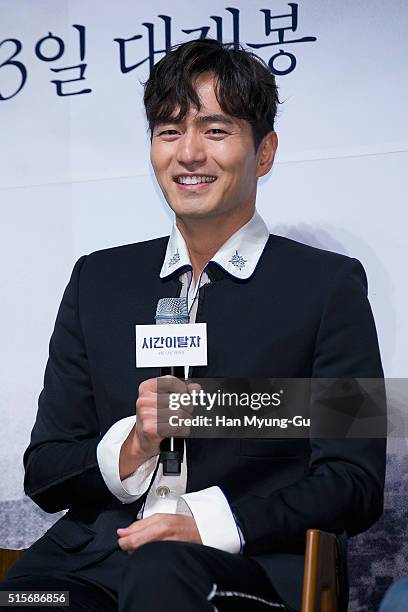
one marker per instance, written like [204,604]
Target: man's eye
[217,131]
[168,133]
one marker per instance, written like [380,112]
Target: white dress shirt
[239,256]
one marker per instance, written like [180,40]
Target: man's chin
[194,211]
[198,217]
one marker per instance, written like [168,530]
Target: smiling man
[207,159]
[232,525]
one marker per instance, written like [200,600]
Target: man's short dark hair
[245,87]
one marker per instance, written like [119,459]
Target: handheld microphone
[172,311]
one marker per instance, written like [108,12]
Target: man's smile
[193,182]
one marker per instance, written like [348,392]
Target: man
[235,520]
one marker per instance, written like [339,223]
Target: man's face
[206,165]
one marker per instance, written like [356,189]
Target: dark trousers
[163,576]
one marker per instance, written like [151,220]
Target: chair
[321,592]
[322,575]
[7,560]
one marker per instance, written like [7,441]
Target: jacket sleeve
[343,488]
[61,469]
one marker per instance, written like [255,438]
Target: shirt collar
[238,256]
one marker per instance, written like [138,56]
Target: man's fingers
[146,408]
[133,541]
[193,387]
[140,532]
[165,385]
[158,527]
[171,384]
[161,399]
[148,386]
[143,523]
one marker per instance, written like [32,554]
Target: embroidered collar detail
[237,260]
[238,256]
[174,259]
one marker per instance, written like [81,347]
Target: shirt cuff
[214,519]
[108,452]
[182,508]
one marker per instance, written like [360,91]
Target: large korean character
[51,48]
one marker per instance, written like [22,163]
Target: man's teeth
[195,180]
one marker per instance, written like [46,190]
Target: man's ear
[266,153]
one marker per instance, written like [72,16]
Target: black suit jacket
[303,313]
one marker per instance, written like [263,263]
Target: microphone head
[172,310]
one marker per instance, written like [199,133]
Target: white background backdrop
[75,175]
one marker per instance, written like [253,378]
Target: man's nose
[191,149]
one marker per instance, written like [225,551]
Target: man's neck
[204,237]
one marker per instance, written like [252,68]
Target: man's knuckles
[148,386]
[145,411]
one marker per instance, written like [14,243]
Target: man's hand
[158,527]
[152,411]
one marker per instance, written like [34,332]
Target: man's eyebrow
[217,118]
[165,120]
[203,119]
